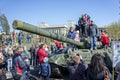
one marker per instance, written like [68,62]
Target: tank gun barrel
[36,30]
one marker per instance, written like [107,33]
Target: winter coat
[82,22]
[59,44]
[19,66]
[104,39]
[20,36]
[77,38]
[77,71]
[26,56]
[71,35]
[45,69]
[41,53]
[93,31]
[5,54]
[87,20]
[32,50]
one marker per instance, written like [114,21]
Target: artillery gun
[59,62]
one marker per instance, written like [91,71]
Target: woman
[41,53]
[97,68]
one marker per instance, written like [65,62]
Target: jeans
[93,41]
[20,41]
[9,64]
[28,40]
[33,60]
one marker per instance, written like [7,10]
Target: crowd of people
[16,58]
[87,28]
[96,70]
[15,37]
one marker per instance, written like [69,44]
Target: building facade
[57,29]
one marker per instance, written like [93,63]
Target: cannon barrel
[36,30]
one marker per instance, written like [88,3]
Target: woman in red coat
[41,53]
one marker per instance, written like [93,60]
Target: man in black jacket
[77,68]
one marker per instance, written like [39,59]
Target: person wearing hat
[19,66]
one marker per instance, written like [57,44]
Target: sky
[103,12]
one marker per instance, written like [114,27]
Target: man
[33,56]
[93,33]
[20,38]
[82,24]
[77,68]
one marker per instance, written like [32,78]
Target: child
[45,70]
[105,40]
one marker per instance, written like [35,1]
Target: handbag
[106,76]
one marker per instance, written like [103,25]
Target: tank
[59,62]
